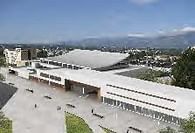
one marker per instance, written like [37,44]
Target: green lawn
[5,124]
[75,124]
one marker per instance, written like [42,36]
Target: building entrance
[82,89]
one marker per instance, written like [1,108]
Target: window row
[55,63]
[155,105]
[44,61]
[55,78]
[44,75]
[62,64]
[71,66]
[51,76]
[142,111]
[147,94]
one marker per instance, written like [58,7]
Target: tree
[184,70]
[188,125]
[2,116]
[167,130]
[2,61]
[42,54]
[5,124]
[2,78]
[2,64]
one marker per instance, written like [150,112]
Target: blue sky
[57,20]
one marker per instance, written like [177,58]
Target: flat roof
[22,69]
[48,65]
[90,58]
[184,97]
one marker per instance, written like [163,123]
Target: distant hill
[166,41]
[180,41]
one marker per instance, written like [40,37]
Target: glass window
[44,75]
[55,78]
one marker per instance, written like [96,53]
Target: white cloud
[160,32]
[141,2]
[136,35]
[182,30]
[188,29]
[177,31]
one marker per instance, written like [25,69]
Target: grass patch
[152,75]
[75,124]
[5,124]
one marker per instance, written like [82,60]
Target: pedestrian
[35,105]
[58,108]
[92,111]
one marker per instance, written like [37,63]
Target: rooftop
[88,58]
[183,97]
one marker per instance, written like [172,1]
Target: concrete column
[67,85]
[49,80]
[99,94]
[83,90]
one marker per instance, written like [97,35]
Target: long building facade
[150,103]
[158,101]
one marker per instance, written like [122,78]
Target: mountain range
[161,41]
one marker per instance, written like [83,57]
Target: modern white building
[158,101]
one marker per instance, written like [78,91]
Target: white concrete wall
[140,97]
[62,82]
[18,55]
[23,74]
[183,97]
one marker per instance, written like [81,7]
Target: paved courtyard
[47,119]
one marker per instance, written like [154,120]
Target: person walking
[92,111]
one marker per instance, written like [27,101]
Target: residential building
[19,56]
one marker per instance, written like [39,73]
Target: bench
[109,130]
[70,105]
[47,97]
[135,129]
[29,90]
[98,115]
[11,83]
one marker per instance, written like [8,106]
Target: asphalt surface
[6,92]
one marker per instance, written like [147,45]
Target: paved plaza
[45,118]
